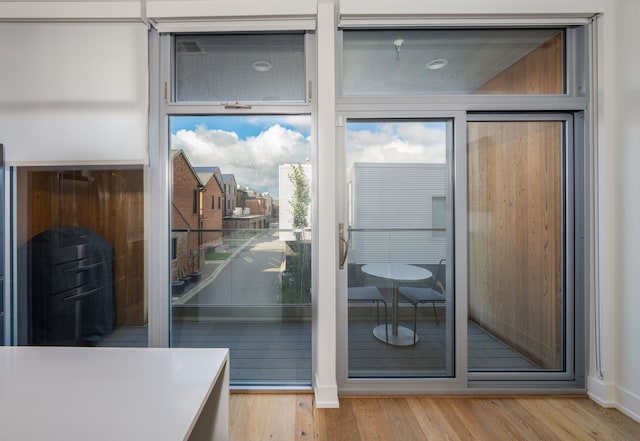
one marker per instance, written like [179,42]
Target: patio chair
[434,293]
[369,294]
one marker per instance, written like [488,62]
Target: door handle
[343,246]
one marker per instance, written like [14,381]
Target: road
[250,277]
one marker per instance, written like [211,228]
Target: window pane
[242,274]
[240,67]
[394,167]
[433,62]
[516,302]
[81,256]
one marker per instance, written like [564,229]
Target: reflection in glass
[80,241]
[453,61]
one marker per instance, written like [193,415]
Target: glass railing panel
[400,312]
[250,292]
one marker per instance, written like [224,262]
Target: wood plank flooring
[283,417]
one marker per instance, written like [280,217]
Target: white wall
[618,296]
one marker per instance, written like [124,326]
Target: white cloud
[397,142]
[254,161]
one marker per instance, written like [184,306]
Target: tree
[301,197]
[301,260]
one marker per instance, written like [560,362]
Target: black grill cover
[70,287]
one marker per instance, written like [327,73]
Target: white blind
[73,93]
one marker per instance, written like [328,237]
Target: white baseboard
[629,404]
[326,396]
[610,395]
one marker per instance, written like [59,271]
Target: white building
[393,210]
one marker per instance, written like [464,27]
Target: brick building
[187,198]
[212,205]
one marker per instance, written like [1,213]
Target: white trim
[221,25]
[612,396]
[371,21]
[583,8]
[94,10]
[326,395]
[180,9]
[231,15]
[324,296]
[628,403]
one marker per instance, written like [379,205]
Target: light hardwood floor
[283,417]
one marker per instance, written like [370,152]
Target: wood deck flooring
[279,354]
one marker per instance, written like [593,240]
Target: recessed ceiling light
[262,66]
[436,64]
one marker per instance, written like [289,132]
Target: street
[250,277]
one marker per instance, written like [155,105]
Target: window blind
[73,93]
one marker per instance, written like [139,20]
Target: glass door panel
[515,240]
[400,312]
[241,243]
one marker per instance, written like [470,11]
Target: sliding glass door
[397,242]
[519,237]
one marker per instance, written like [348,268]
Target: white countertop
[110,394]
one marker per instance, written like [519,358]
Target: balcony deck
[279,354]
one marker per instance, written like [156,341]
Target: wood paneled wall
[515,214]
[540,72]
[515,234]
[110,202]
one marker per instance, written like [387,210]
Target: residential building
[250,211]
[268,204]
[396,197]
[186,215]
[212,206]
[230,186]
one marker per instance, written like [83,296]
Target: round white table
[396,272]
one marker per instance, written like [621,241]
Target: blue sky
[253,147]
[242,125]
[250,147]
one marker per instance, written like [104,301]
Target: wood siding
[540,72]
[110,202]
[515,235]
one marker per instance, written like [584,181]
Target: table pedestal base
[404,337]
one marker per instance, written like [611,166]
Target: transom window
[240,67]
